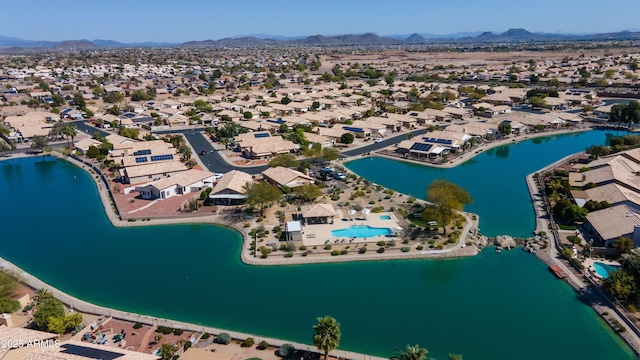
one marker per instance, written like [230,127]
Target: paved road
[383,144]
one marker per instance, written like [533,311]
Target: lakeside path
[551,256]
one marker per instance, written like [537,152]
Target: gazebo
[319,214]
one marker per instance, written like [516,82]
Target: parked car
[328,169]
[217,176]
[203,152]
[339,176]
[378,139]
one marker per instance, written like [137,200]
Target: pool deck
[320,234]
[588,264]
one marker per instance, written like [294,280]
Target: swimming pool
[361,231]
[603,269]
[385,217]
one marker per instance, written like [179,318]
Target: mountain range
[260,40]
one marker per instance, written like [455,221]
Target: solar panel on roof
[161,157]
[142,159]
[261,135]
[88,352]
[142,152]
[354,129]
[421,147]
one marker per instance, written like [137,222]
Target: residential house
[282,176]
[230,189]
[179,184]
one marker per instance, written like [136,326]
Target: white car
[217,176]
[378,139]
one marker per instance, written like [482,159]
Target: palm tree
[411,353]
[327,336]
[69,131]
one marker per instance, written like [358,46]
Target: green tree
[56,325]
[49,308]
[8,284]
[167,351]
[504,128]
[285,100]
[615,115]
[411,353]
[248,115]
[78,99]
[308,192]
[284,160]
[8,305]
[39,142]
[446,198]
[70,132]
[313,152]
[537,101]
[597,150]
[129,132]
[327,335]
[347,138]
[329,154]
[631,113]
[185,151]
[93,152]
[114,97]
[624,244]
[621,285]
[261,194]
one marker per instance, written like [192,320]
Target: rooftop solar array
[142,159]
[91,353]
[354,129]
[421,147]
[130,115]
[437,141]
[161,157]
[142,152]
[261,135]
[279,121]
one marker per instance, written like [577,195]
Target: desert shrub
[164,330]
[178,332]
[8,305]
[286,351]
[419,247]
[205,336]
[362,250]
[343,252]
[263,345]
[574,239]
[380,250]
[406,249]
[277,228]
[137,326]
[248,342]
[302,248]
[391,243]
[223,338]
[288,254]
[335,252]
[381,243]
[327,247]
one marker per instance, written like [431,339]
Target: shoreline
[597,300]
[470,154]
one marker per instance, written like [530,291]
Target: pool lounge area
[601,268]
[350,228]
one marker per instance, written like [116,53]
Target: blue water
[603,269]
[385,217]
[491,306]
[495,178]
[361,231]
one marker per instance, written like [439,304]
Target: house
[179,184]
[261,144]
[610,224]
[282,176]
[319,214]
[230,189]
[74,350]
[84,144]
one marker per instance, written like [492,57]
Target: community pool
[603,269]
[361,231]
[385,217]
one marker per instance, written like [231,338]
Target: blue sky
[184,20]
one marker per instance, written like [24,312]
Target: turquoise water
[385,217]
[603,269]
[495,179]
[361,231]
[492,306]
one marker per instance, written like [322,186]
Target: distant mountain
[75,45]
[108,43]
[415,39]
[11,44]
[230,42]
